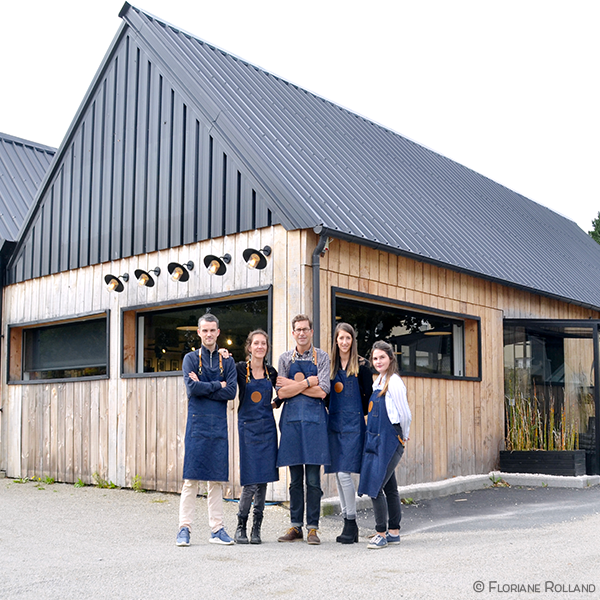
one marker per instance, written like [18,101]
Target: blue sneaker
[221,537]
[183,537]
[392,539]
[378,541]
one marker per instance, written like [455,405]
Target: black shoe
[255,534]
[349,534]
[240,536]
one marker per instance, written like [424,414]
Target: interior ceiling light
[180,272]
[144,278]
[113,283]
[256,259]
[215,265]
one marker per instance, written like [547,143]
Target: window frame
[130,330]
[16,330]
[471,333]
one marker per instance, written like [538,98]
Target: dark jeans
[259,493]
[313,495]
[386,506]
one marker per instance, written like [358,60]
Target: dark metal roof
[326,166]
[22,168]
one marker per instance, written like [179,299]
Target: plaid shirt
[285,361]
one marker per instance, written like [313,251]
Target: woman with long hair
[257,433]
[351,383]
[388,425]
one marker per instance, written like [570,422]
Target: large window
[60,351]
[165,336]
[425,343]
[549,387]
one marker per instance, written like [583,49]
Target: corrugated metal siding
[23,165]
[177,127]
[140,172]
[336,169]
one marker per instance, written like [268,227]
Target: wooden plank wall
[458,426]
[123,427]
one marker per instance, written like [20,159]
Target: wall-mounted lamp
[256,259]
[180,272]
[216,264]
[144,278]
[113,284]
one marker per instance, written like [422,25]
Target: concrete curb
[458,485]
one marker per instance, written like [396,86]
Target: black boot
[255,534]
[240,536]
[349,534]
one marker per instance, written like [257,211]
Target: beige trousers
[187,504]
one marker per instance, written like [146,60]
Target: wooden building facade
[179,152]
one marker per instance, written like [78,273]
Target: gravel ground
[58,541]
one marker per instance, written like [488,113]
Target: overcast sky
[510,89]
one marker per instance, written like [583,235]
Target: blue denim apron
[381,441]
[258,434]
[303,425]
[346,428]
[206,441]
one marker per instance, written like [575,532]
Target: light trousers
[187,504]
[347,493]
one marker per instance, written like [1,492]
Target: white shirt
[396,402]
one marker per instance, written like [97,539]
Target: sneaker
[377,542]
[183,537]
[221,537]
[294,534]
[392,539]
[312,538]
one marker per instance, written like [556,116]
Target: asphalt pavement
[58,541]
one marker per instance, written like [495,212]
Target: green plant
[407,501]
[497,481]
[49,480]
[79,483]
[103,483]
[531,424]
[136,484]
[21,480]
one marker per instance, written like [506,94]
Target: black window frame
[265,292]
[382,302]
[53,322]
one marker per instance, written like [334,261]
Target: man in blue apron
[303,385]
[210,381]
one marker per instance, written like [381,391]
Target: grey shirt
[285,360]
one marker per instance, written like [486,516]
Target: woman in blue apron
[351,385]
[257,433]
[388,425]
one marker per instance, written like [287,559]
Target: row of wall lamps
[215,265]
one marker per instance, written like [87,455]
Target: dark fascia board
[35,205]
[340,235]
[277,190]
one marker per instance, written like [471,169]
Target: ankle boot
[349,534]
[255,534]
[240,536]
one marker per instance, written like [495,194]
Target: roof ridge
[17,140]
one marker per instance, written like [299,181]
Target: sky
[509,89]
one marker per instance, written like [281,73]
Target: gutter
[316,280]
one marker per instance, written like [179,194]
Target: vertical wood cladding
[139,172]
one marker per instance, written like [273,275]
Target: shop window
[68,350]
[425,343]
[163,337]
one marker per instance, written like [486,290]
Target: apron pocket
[372,442]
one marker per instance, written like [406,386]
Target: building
[180,155]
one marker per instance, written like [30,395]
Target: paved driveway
[63,542]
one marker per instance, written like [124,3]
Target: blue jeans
[386,506]
[313,495]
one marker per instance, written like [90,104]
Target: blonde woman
[351,383]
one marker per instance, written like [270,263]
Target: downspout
[316,279]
